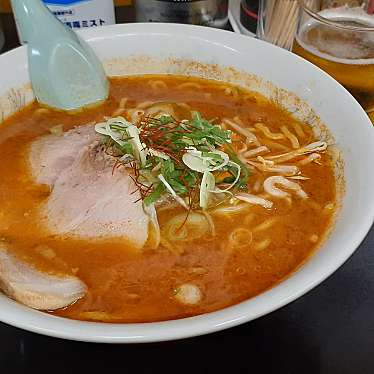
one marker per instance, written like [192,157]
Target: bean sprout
[270,188]
[310,148]
[255,200]
[242,131]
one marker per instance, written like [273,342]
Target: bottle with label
[125,12]
[83,13]
[199,12]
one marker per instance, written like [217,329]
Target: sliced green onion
[195,149]
[139,148]
[154,152]
[172,192]
[115,128]
[195,160]
[237,166]
[152,213]
[207,185]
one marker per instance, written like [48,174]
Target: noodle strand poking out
[177,250]
[256,152]
[189,227]
[231,91]
[255,200]
[250,138]
[231,210]
[310,148]
[155,233]
[292,138]
[190,85]
[240,238]
[41,112]
[135,115]
[185,106]
[123,102]
[264,162]
[275,146]
[243,148]
[266,225]
[211,223]
[299,177]
[314,238]
[160,109]
[262,245]
[251,98]
[271,189]
[288,170]
[299,130]
[249,219]
[329,208]
[145,104]
[118,112]
[98,316]
[266,131]
[309,159]
[158,85]
[239,121]
[314,205]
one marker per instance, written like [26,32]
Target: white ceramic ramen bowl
[351,128]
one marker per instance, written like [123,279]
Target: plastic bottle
[83,13]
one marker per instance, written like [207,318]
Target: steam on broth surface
[234,219]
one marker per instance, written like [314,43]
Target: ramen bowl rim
[20,316]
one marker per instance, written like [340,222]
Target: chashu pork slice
[51,154]
[89,198]
[34,288]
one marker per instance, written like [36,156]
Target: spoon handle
[32,18]
[65,72]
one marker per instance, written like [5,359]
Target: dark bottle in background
[249,14]
[2,37]
[212,13]
[125,11]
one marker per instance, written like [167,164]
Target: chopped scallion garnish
[184,159]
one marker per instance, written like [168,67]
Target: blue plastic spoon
[65,73]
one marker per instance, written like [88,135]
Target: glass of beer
[338,36]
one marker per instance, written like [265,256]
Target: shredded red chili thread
[116,165]
[191,199]
[143,189]
[155,135]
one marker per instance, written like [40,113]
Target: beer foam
[326,56]
[335,51]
